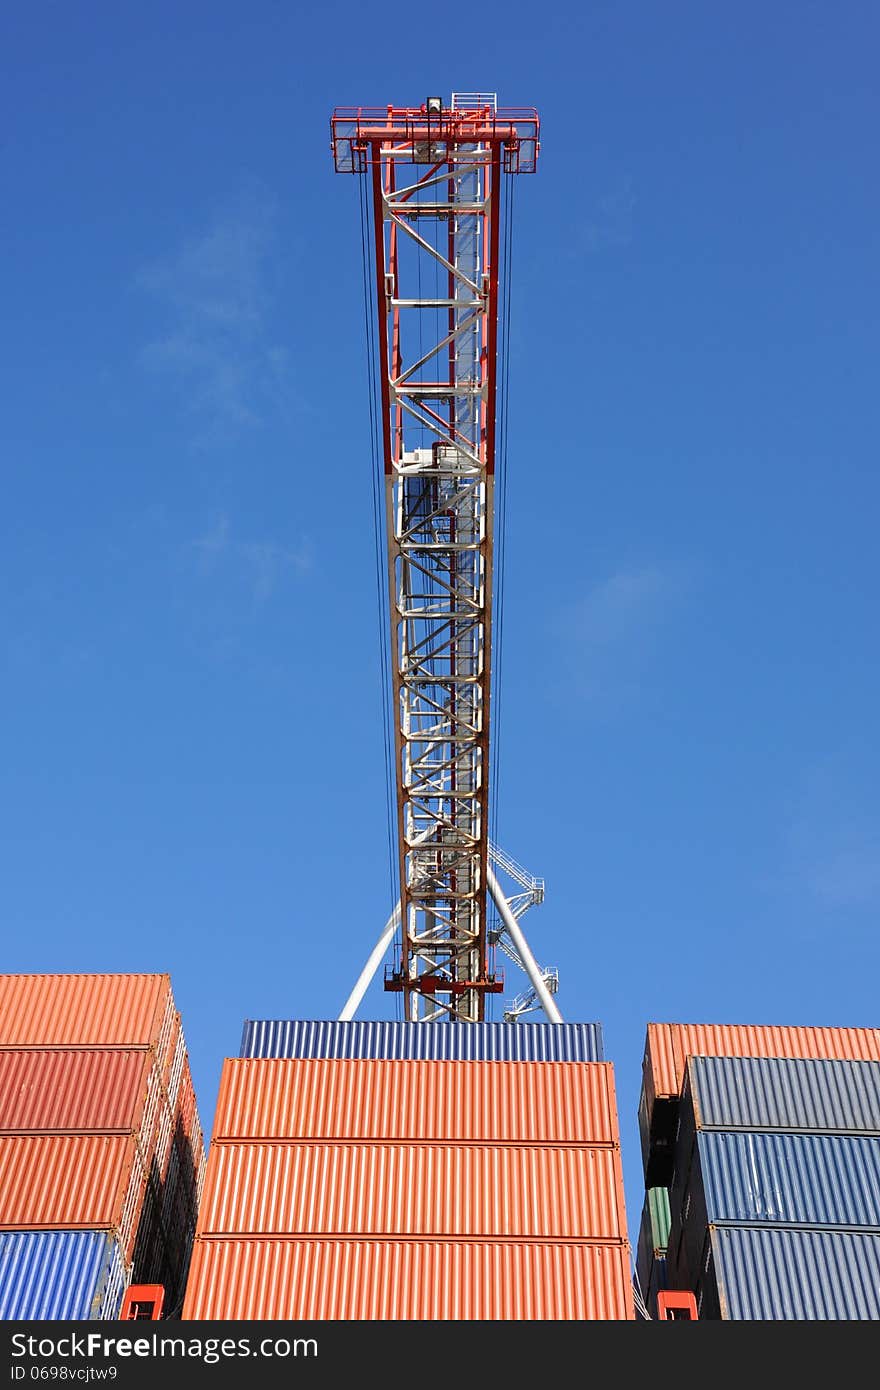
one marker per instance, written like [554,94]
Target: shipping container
[765,1273]
[88,1091]
[403,1279]
[83,1090]
[414,1190]
[745,1177]
[86,1011]
[668,1045]
[72,1181]
[773,1094]
[776,1093]
[559,1102]
[407,1042]
[49,1275]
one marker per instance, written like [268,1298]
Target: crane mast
[435,179]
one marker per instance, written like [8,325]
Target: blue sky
[192,760]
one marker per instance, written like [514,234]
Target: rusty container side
[77,1090]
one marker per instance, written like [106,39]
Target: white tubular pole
[514,931]
[352,1003]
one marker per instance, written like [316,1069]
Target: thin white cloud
[215,342]
[608,637]
[619,607]
[269,563]
[260,565]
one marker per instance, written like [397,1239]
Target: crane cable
[373,366]
[505,281]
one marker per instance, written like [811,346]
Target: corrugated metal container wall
[49,1275]
[776,1093]
[420,1280]
[811,1179]
[73,1089]
[767,1274]
[84,1010]
[407,1042]
[743,1177]
[66,1181]
[414,1190]
[658,1216]
[552,1102]
[669,1045]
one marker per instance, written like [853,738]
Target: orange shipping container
[71,1182]
[87,1011]
[668,1046]
[81,1090]
[403,1279]
[414,1190]
[501,1102]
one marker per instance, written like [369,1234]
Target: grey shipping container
[765,1273]
[782,1093]
[479,1042]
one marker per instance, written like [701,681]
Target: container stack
[101,1151]
[767,1141]
[412,1171]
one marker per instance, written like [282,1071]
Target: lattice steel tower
[435,181]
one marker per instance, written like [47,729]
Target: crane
[433,179]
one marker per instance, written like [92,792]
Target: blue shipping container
[442,1042]
[766,1274]
[777,1093]
[806,1179]
[737,1176]
[50,1275]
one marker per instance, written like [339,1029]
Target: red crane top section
[426,135]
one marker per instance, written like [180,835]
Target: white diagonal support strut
[353,1002]
[530,965]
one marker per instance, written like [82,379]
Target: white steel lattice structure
[435,176]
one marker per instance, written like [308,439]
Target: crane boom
[435,176]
